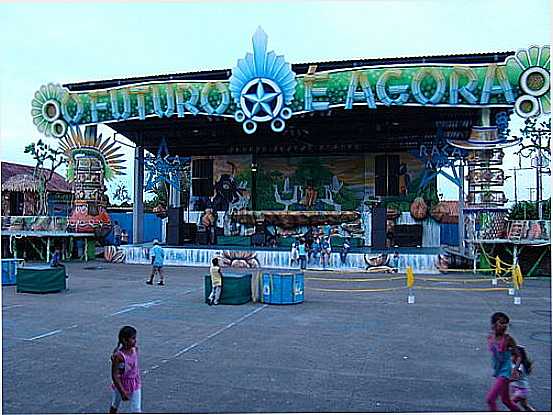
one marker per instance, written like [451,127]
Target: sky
[44,43]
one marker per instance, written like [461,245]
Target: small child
[316,251]
[125,372]
[326,251]
[345,251]
[56,259]
[216,282]
[522,367]
[294,255]
[502,346]
[394,262]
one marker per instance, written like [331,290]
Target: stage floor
[422,259]
[363,250]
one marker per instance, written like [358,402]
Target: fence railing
[34,223]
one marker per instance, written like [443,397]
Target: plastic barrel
[236,289]
[282,288]
[9,271]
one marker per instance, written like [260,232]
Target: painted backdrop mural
[332,183]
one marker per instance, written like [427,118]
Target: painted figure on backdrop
[404,179]
[310,197]
[226,191]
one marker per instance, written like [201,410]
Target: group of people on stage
[316,251]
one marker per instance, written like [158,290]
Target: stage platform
[421,259]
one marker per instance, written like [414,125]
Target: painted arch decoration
[263,89]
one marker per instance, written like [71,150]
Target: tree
[535,137]
[43,154]
[122,194]
[536,144]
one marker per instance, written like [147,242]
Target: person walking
[216,282]
[522,367]
[157,256]
[502,346]
[125,372]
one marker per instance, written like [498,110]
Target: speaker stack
[408,235]
[378,227]
[174,226]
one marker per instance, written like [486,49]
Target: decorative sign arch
[263,88]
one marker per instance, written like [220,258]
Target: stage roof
[299,69]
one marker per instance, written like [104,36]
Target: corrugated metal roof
[298,68]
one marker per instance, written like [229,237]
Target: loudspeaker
[378,227]
[408,235]
[172,236]
[175,215]
[174,226]
[258,239]
[202,238]
[188,232]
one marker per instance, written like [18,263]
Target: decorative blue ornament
[262,85]
[163,168]
[502,122]
[438,157]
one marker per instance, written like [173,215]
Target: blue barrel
[282,288]
[9,271]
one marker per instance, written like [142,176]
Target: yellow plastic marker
[516,274]
[497,266]
[410,277]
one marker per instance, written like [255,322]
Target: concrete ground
[339,351]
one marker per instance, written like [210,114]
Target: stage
[421,259]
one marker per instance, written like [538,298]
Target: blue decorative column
[138,199]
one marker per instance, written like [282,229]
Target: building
[20,192]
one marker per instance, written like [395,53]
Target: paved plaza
[339,351]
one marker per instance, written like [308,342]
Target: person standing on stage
[302,253]
[326,251]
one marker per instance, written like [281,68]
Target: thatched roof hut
[21,183]
[20,191]
[57,184]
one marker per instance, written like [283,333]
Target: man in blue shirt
[157,255]
[302,253]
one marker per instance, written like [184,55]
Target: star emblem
[261,99]
[163,168]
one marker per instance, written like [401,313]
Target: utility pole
[461,207]
[538,180]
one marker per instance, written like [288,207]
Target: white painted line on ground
[50,333]
[126,310]
[228,326]
[7,307]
